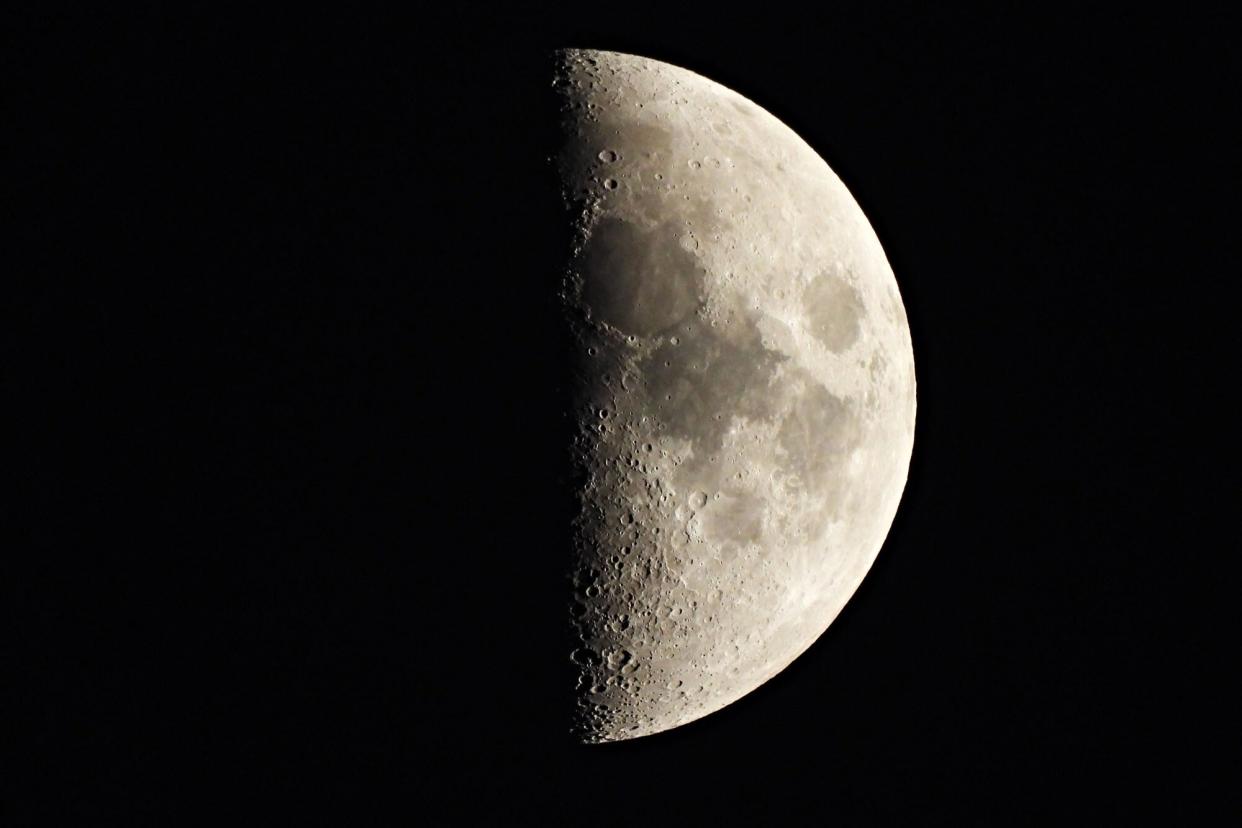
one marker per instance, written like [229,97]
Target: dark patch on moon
[817,437]
[640,282]
[698,385]
[833,309]
[638,139]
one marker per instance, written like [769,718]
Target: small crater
[586,657]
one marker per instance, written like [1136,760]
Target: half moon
[745,393]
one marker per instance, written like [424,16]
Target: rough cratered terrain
[745,393]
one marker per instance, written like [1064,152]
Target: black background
[285,370]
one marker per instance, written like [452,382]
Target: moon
[743,393]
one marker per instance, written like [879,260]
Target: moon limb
[745,393]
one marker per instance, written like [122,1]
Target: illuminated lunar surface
[745,393]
